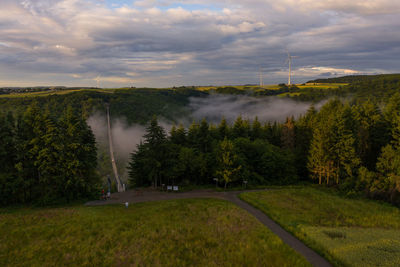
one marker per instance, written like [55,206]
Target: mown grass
[321,86]
[239,87]
[350,232]
[197,232]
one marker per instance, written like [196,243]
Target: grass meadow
[58,92]
[348,232]
[200,88]
[196,232]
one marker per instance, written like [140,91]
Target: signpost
[216,182]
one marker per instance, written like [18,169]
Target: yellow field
[200,88]
[57,92]
[348,232]
[321,85]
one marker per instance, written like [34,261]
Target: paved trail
[232,196]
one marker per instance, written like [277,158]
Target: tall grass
[202,232]
[346,231]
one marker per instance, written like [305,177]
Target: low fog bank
[214,107]
[126,137]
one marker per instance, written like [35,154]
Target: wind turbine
[98,81]
[261,78]
[289,59]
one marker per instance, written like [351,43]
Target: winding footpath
[137,196]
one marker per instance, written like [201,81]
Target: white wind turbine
[289,60]
[98,81]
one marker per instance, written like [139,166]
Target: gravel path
[143,196]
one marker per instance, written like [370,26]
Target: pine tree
[9,182]
[343,147]
[223,129]
[288,134]
[204,137]
[241,128]
[256,131]
[193,135]
[79,157]
[178,135]
[371,132]
[48,161]
[318,159]
[155,140]
[155,134]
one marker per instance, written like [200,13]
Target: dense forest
[377,88]
[136,105]
[355,78]
[197,155]
[355,147]
[46,159]
[48,153]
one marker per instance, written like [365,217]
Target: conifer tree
[256,131]
[178,135]
[154,140]
[288,134]
[9,182]
[318,158]
[204,137]
[223,129]
[241,128]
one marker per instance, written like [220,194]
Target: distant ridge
[355,78]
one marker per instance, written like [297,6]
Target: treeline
[44,159]
[135,105]
[355,147]
[354,78]
[232,154]
[377,88]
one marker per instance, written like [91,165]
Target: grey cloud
[218,46]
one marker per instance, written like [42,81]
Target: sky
[163,43]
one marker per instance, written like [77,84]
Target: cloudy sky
[170,42]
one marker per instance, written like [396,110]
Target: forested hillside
[355,147]
[135,105]
[352,144]
[375,87]
[354,78]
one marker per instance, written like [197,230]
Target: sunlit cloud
[167,42]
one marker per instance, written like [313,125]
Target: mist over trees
[48,153]
[353,146]
[202,152]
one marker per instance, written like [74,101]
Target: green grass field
[200,88]
[321,85]
[197,232]
[350,232]
[58,92]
